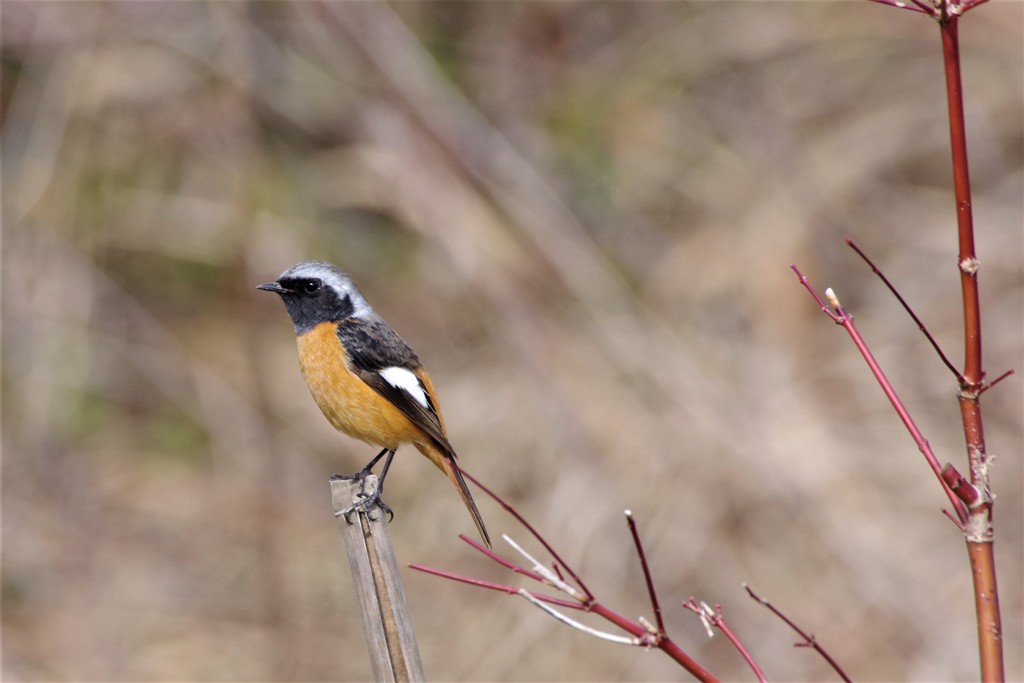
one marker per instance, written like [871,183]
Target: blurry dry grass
[581,215]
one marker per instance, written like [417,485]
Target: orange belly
[347,401]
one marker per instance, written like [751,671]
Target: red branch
[713,617]
[845,319]
[960,486]
[644,634]
[908,309]
[809,640]
[500,587]
[996,381]
[533,532]
[973,374]
[979,531]
[647,573]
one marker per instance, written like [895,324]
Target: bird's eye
[311,286]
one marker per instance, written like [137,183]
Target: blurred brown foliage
[581,216]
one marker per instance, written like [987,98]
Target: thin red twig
[957,522]
[500,587]
[996,381]
[843,318]
[518,569]
[647,573]
[825,308]
[809,640]
[908,309]
[714,617]
[644,635]
[533,532]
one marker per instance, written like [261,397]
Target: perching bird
[365,378]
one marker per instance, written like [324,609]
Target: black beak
[273,287]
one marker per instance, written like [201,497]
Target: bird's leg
[361,475]
[368,499]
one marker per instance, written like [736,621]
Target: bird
[366,379]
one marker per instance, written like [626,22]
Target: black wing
[372,346]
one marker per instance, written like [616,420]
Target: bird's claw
[368,500]
[366,505]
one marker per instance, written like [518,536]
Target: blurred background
[581,216]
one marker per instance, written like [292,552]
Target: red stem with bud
[972,499]
[980,534]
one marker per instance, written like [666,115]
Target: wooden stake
[386,623]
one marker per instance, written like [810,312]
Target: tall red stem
[979,530]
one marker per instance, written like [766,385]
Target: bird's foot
[367,500]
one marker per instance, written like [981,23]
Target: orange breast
[347,401]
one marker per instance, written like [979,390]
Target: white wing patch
[407,381]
